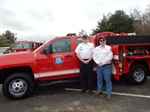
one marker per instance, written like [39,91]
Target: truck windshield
[22,45]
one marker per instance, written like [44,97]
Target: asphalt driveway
[66,98]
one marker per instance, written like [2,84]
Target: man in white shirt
[102,56]
[84,52]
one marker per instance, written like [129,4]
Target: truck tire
[18,86]
[137,74]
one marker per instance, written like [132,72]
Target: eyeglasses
[102,40]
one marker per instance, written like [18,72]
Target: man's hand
[85,61]
[100,64]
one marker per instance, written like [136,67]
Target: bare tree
[142,21]
[82,32]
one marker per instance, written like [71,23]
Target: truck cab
[57,59]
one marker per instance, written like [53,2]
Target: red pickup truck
[52,61]
[56,61]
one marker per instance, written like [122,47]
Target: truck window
[80,40]
[22,45]
[27,45]
[62,45]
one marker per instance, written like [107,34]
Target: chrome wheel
[138,74]
[18,87]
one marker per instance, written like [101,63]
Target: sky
[42,20]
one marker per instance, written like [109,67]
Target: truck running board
[58,81]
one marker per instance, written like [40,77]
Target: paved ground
[66,98]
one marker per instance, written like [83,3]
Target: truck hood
[17,59]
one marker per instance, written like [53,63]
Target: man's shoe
[82,91]
[108,97]
[97,93]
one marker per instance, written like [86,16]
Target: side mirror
[49,49]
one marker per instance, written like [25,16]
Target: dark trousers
[86,75]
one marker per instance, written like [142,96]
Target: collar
[85,43]
[103,46]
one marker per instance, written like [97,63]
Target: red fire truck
[131,56]
[55,61]
[26,46]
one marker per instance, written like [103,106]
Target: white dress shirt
[102,55]
[85,50]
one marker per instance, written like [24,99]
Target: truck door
[60,64]
[115,62]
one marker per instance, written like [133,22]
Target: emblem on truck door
[58,60]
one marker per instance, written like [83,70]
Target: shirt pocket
[105,52]
[89,48]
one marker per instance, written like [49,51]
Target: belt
[85,59]
[106,64]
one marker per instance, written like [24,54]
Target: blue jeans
[104,72]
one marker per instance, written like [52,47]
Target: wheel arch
[140,62]
[4,73]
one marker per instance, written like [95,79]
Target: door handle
[69,56]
